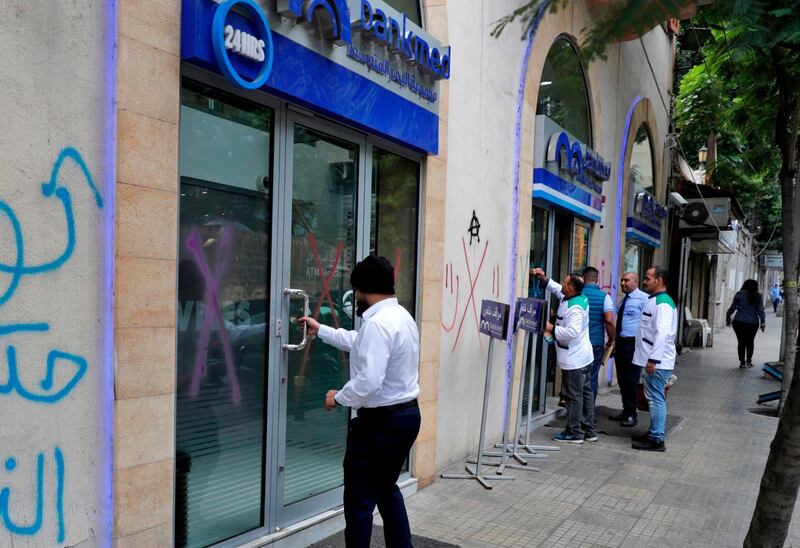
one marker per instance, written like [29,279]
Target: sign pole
[492,314]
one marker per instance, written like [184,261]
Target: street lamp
[702,155]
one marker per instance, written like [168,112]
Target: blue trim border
[644,228]
[591,206]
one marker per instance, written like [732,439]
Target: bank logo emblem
[250,45]
[333,15]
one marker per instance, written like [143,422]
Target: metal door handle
[306,310]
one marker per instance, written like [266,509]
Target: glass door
[324,166]
[223,309]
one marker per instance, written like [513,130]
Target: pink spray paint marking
[471,296]
[324,296]
[213,281]
[448,284]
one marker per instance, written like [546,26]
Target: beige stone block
[435,178]
[434,223]
[148,80]
[156,23]
[436,21]
[444,100]
[430,334]
[443,140]
[148,152]
[145,292]
[147,222]
[161,535]
[145,362]
[424,462]
[428,412]
[432,301]
[142,497]
[429,380]
[144,430]
[433,261]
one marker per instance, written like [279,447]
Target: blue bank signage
[531,315]
[494,319]
[567,173]
[645,217]
[360,61]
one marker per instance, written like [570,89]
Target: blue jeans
[654,391]
[598,351]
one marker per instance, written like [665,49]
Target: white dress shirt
[384,357]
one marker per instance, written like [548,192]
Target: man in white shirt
[383,390]
[655,352]
[574,356]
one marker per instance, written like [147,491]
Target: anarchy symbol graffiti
[474,228]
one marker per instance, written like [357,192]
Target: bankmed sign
[567,173]
[645,216]
[360,61]
[396,35]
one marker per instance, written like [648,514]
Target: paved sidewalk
[700,492]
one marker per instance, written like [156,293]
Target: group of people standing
[642,338]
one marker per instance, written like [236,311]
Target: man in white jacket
[655,352]
[574,355]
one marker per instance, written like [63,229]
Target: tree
[756,58]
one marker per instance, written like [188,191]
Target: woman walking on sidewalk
[749,307]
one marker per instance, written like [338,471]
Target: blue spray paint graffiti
[36,525]
[62,368]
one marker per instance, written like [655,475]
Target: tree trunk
[779,484]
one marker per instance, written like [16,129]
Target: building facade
[215,169]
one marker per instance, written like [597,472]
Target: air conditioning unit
[708,212]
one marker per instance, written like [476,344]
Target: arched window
[638,257]
[642,162]
[563,94]
[412,8]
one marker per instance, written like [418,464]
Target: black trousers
[378,443]
[627,374]
[745,336]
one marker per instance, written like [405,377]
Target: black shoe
[649,445]
[742,365]
[628,422]
[618,417]
[641,437]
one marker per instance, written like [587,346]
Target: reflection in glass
[538,259]
[563,93]
[642,162]
[222,309]
[410,7]
[580,247]
[323,245]
[395,199]
[222,315]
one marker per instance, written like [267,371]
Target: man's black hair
[661,272]
[590,274]
[576,282]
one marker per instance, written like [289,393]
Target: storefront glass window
[642,161]
[409,7]
[222,314]
[563,94]
[394,224]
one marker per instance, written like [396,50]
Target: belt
[626,339]
[386,409]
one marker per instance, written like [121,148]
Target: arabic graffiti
[34,527]
[63,371]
